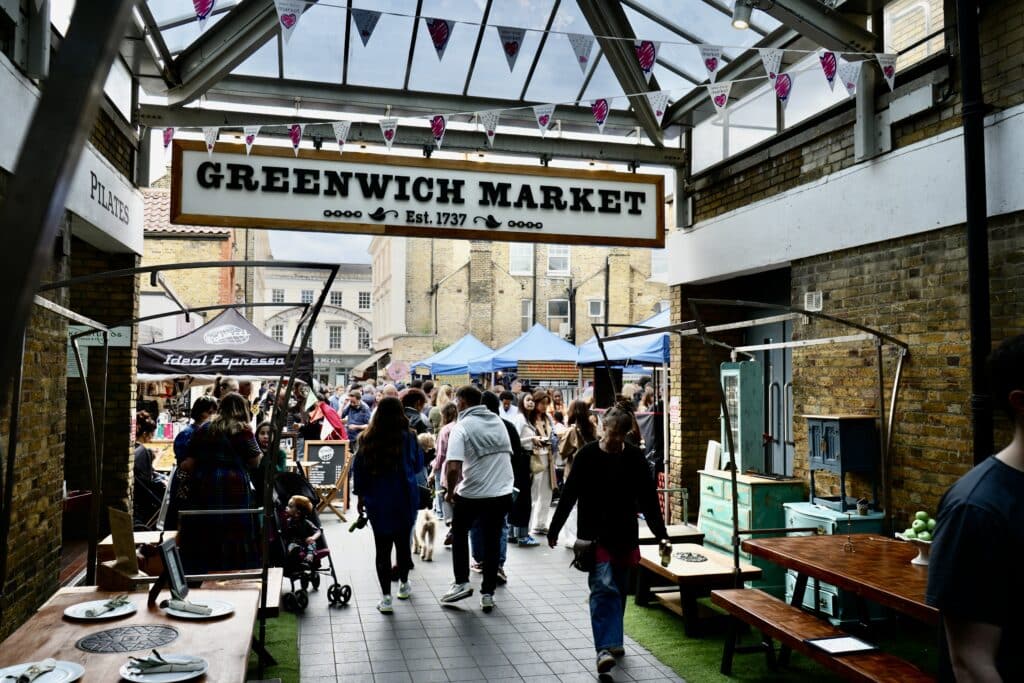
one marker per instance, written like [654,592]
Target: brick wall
[118,150]
[204,287]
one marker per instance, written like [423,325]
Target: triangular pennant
[658,99]
[438,127]
[719,94]
[828,66]
[600,110]
[849,76]
[511,43]
[203,8]
[581,44]
[295,135]
[772,60]
[711,55]
[288,13]
[249,133]
[783,88]
[168,136]
[489,120]
[544,114]
[341,129]
[440,31]
[210,135]
[389,128]
[888,64]
[366,21]
[646,55]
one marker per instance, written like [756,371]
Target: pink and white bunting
[600,110]
[511,43]
[849,76]
[711,55]
[341,129]
[888,64]
[288,13]
[365,20]
[489,120]
[783,88]
[581,44]
[719,94]
[438,127]
[544,114]
[646,56]
[168,136]
[249,134]
[295,135]
[658,99]
[772,60]
[210,136]
[829,64]
[203,8]
[389,128]
[440,31]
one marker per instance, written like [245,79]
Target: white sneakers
[486,602]
[384,606]
[458,591]
[404,590]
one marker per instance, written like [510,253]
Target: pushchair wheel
[338,594]
[302,599]
[315,580]
[290,602]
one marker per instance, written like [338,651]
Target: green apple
[921,515]
[909,533]
[931,524]
[924,536]
[919,525]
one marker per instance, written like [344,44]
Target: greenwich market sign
[363,193]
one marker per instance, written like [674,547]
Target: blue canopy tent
[537,344]
[455,354]
[647,350]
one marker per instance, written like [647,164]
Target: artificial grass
[282,641]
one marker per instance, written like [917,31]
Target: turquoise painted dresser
[759,505]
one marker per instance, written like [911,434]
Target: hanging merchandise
[828,66]
[772,60]
[341,133]
[295,135]
[288,13]
[849,74]
[168,136]
[250,133]
[438,126]
[366,21]
[511,43]
[646,55]
[388,128]
[783,88]
[440,31]
[203,8]
[888,64]
[544,114]
[600,111]
[719,94]
[658,99]
[210,135]
[489,119]
[581,44]
[711,55]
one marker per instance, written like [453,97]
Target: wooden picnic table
[677,533]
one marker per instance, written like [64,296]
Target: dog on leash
[423,538]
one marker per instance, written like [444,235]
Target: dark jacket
[520,513]
[416,421]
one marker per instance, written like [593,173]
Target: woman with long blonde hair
[442,398]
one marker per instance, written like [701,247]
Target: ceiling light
[741,15]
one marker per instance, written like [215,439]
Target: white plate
[220,608]
[64,672]
[79,611]
[130,675]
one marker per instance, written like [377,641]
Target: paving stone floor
[539,631]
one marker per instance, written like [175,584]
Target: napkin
[156,664]
[186,606]
[36,670]
[108,606]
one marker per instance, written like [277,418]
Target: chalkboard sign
[326,461]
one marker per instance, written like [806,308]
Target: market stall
[441,364]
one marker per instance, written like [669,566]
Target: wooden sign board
[329,461]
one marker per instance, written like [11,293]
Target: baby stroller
[306,572]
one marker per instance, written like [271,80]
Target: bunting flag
[719,94]
[658,99]
[511,43]
[341,133]
[210,135]
[646,55]
[772,60]
[440,31]
[489,119]
[438,127]
[600,111]
[828,66]
[711,55]
[288,13]
[388,128]
[544,114]
[888,64]
[168,136]
[203,8]
[581,44]
[295,135]
[249,133]
[783,88]
[849,75]
[366,21]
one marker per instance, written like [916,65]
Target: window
[336,299]
[334,333]
[558,259]
[558,316]
[364,301]
[913,22]
[277,333]
[595,308]
[526,312]
[307,296]
[364,339]
[277,296]
[520,259]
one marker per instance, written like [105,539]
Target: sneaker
[528,541]
[384,606]
[617,651]
[502,578]
[476,567]
[458,591]
[404,590]
[605,662]
[448,539]
[486,602]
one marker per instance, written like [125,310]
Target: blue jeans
[607,604]
[476,542]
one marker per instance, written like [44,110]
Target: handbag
[426,494]
[584,555]
[536,464]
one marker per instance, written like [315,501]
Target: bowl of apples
[919,534]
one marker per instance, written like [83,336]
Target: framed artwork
[174,569]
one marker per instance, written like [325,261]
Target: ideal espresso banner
[388,195]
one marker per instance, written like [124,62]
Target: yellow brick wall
[195,287]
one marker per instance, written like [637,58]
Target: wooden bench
[791,626]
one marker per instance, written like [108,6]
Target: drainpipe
[533,251]
[977,225]
[607,277]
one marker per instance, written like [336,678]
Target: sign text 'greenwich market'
[390,195]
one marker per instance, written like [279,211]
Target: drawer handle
[711,512]
[709,487]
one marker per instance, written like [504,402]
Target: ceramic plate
[79,611]
[130,674]
[64,672]
[219,607]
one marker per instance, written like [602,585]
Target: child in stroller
[300,536]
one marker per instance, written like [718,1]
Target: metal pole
[12,447]
[665,437]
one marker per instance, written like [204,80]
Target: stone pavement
[539,631]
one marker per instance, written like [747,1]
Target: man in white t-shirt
[479,453]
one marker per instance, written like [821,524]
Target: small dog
[423,538]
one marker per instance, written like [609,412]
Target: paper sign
[511,43]
[210,135]
[849,76]
[828,67]
[646,56]
[388,128]
[489,119]
[772,60]
[366,21]
[123,539]
[719,94]
[888,64]
[783,88]
[438,126]
[581,46]
[658,100]
[295,135]
[341,129]
[249,133]
[440,31]
[711,55]
[600,110]
[288,13]
[544,114]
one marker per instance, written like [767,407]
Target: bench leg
[796,601]
[266,659]
[731,636]
[688,601]
[643,587]
[769,653]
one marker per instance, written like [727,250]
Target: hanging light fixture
[741,15]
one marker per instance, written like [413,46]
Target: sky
[290,245]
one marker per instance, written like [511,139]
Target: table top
[224,643]
[717,567]
[683,533]
[879,569]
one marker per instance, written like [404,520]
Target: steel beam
[540,49]
[190,18]
[666,23]
[825,26]
[476,47]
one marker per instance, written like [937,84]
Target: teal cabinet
[743,384]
